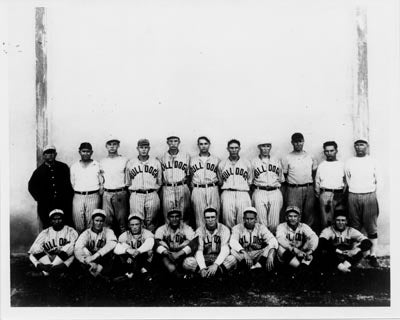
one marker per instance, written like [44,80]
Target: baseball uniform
[144,179]
[204,181]
[235,178]
[267,196]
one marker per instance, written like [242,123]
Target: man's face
[174,219]
[298,145]
[211,220]
[143,151]
[112,146]
[265,149]
[340,223]
[203,145]
[330,153]
[56,221]
[292,219]
[49,156]
[98,223]
[249,220]
[135,225]
[173,143]
[85,154]
[233,149]
[361,149]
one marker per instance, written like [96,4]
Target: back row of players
[198,180]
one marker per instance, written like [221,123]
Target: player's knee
[190,264]
[287,256]
[229,262]
[294,262]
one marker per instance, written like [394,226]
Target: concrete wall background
[248,70]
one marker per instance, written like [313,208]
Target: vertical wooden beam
[41,82]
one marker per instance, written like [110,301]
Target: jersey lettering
[271,168]
[147,169]
[238,172]
[174,165]
[50,245]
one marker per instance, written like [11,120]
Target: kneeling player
[53,250]
[342,246]
[174,244]
[297,241]
[94,246]
[253,245]
[134,250]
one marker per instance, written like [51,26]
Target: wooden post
[41,83]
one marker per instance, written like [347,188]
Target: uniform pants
[82,208]
[105,261]
[233,205]
[255,255]
[203,198]
[302,197]
[268,205]
[328,203]
[363,212]
[122,266]
[177,197]
[115,204]
[229,262]
[146,206]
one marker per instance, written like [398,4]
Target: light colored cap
[264,143]
[55,211]
[250,209]
[112,138]
[135,215]
[292,209]
[49,147]
[99,212]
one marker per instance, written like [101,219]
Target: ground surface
[363,287]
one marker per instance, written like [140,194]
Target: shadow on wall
[23,231]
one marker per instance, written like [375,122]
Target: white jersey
[86,178]
[102,242]
[347,239]
[237,176]
[211,242]
[267,172]
[204,172]
[174,238]
[144,175]
[175,168]
[143,242]
[301,238]
[113,171]
[250,240]
[361,175]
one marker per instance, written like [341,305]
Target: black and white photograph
[199,159]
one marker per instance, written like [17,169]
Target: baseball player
[267,196]
[253,245]
[144,178]
[299,169]
[53,250]
[361,177]
[175,169]
[297,242]
[342,246]
[135,249]
[95,245]
[175,245]
[235,176]
[330,184]
[212,255]
[115,196]
[87,183]
[204,181]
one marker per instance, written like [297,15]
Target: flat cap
[361,141]
[143,142]
[98,212]
[292,209]
[49,147]
[173,137]
[55,211]
[297,136]
[85,145]
[250,209]
[175,210]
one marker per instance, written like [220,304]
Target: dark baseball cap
[297,136]
[174,211]
[85,145]
[361,141]
[143,142]
[340,213]
[173,137]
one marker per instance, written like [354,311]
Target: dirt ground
[365,286]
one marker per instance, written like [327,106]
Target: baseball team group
[201,216]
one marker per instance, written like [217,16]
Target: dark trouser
[122,264]
[330,259]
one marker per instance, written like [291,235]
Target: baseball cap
[292,209]
[174,211]
[173,137]
[339,213]
[85,145]
[361,141]
[210,209]
[55,211]
[297,136]
[111,139]
[143,142]
[250,209]
[264,144]
[135,216]
[48,148]
[98,212]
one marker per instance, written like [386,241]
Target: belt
[86,192]
[267,188]
[115,190]
[212,184]
[332,190]
[142,191]
[300,185]
[175,184]
[234,190]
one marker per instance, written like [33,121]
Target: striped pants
[146,206]
[203,198]
[82,208]
[177,197]
[328,203]
[115,204]
[363,212]
[268,205]
[233,205]
[302,197]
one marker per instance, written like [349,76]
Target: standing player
[361,178]
[329,184]
[297,242]
[253,245]
[115,196]
[235,175]
[144,178]
[267,196]
[50,186]
[342,246]
[53,250]
[87,183]
[95,245]
[299,169]
[175,168]
[135,249]
[204,181]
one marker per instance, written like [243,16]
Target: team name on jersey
[237,171]
[198,166]
[177,238]
[208,242]
[135,244]
[294,237]
[174,165]
[147,169]
[255,242]
[50,245]
[264,168]
[93,245]
[342,242]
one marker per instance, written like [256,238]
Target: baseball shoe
[256,266]
[373,261]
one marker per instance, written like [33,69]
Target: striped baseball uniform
[175,192]
[361,177]
[235,179]
[329,187]
[267,197]
[257,242]
[115,196]
[144,179]
[51,244]
[86,181]
[204,181]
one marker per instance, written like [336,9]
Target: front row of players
[210,251]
